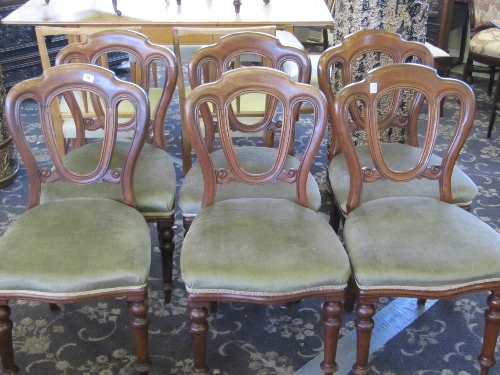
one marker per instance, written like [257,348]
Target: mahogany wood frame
[291,95]
[345,55]
[220,55]
[44,90]
[146,54]
[434,89]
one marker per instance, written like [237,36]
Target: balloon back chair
[65,126]
[484,46]
[154,180]
[261,250]
[250,106]
[220,56]
[78,248]
[398,128]
[413,246]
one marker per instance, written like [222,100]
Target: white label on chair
[88,78]
[373,88]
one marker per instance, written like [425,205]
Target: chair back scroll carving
[290,95]
[111,91]
[349,61]
[368,94]
[145,54]
[232,46]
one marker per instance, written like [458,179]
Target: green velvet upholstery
[253,160]
[73,246]
[154,179]
[262,246]
[399,157]
[419,243]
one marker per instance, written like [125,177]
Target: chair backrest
[64,80]
[74,35]
[144,54]
[349,61]
[221,56]
[289,95]
[482,12]
[368,94]
[181,36]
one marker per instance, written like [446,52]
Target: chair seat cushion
[154,179]
[75,246]
[419,243]
[486,42]
[399,157]
[253,160]
[262,247]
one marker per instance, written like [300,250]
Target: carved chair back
[145,55]
[349,62]
[221,57]
[62,80]
[289,96]
[368,94]
[482,12]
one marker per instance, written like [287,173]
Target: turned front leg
[364,328]
[331,328]
[198,330]
[6,347]
[491,330]
[167,247]
[140,323]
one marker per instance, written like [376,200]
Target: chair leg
[491,330]
[167,247]
[198,331]
[364,328]
[140,322]
[496,107]
[492,79]
[331,327]
[466,72]
[6,348]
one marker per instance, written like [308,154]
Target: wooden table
[496,23]
[156,18]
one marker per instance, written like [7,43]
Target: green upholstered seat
[253,160]
[262,246]
[154,179]
[419,243]
[399,157]
[74,246]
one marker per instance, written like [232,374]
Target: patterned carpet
[95,337]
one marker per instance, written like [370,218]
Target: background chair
[65,128]
[258,249]
[154,181]
[397,125]
[204,36]
[220,56]
[79,248]
[484,46]
[414,246]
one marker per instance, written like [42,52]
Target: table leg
[119,13]
[237,5]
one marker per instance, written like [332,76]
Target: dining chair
[65,128]
[80,248]
[252,249]
[414,246]
[221,55]
[484,46]
[155,179]
[397,126]
[183,39]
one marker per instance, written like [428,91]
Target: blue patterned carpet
[95,337]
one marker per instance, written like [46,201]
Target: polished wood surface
[157,17]
[495,23]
